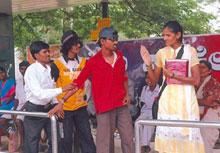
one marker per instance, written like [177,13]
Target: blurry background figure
[208,98]
[20,104]
[149,92]
[7,93]
[91,108]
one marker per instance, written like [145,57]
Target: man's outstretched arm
[58,109]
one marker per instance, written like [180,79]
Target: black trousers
[80,120]
[33,127]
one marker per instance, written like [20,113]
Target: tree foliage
[132,18]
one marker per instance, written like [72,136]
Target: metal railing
[37,114]
[175,123]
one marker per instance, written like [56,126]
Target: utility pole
[104,9]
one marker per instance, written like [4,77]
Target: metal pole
[34,114]
[174,123]
[39,114]
[104,9]
[178,123]
[54,134]
[137,137]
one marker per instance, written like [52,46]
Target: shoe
[147,149]
[42,148]
[20,149]
[4,147]
[142,149]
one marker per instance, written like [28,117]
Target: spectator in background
[41,97]
[64,71]
[7,92]
[110,93]
[20,104]
[209,100]
[148,94]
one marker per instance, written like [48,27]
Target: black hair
[175,27]
[2,69]
[24,63]
[99,42]
[69,44]
[207,63]
[37,46]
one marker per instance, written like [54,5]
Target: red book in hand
[179,67]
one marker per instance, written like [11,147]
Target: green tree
[146,17]
[132,18]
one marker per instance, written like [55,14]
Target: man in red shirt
[110,93]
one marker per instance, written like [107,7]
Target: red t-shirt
[107,81]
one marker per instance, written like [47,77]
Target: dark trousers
[33,127]
[80,120]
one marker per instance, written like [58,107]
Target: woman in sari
[209,100]
[7,92]
[177,101]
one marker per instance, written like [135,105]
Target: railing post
[137,137]
[54,134]
[39,114]
[173,123]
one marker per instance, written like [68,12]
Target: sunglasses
[113,39]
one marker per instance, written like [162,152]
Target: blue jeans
[33,127]
[80,120]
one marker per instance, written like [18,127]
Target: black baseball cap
[69,34]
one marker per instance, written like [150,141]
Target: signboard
[207,46]
[94,35]
[102,23]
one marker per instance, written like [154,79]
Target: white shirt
[147,97]
[39,86]
[115,58]
[20,93]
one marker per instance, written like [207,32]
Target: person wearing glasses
[64,71]
[110,93]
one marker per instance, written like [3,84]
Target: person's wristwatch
[63,100]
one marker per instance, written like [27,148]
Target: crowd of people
[60,88]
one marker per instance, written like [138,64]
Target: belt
[39,106]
